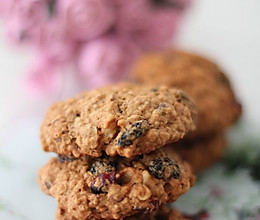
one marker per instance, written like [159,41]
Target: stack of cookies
[111,161]
[211,90]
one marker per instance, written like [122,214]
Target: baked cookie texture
[201,79]
[115,187]
[203,152]
[163,213]
[125,120]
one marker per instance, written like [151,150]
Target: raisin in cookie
[163,213]
[202,153]
[201,79]
[123,119]
[115,187]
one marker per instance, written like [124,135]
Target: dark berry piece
[130,135]
[101,181]
[172,169]
[63,159]
[164,169]
[95,189]
[102,166]
[156,168]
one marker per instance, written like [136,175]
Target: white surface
[226,30]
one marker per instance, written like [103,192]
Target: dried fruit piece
[156,168]
[102,166]
[172,169]
[164,169]
[130,135]
[101,181]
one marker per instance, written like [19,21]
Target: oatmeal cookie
[115,187]
[202,153]
[163,213]
[201,79]
[124,120]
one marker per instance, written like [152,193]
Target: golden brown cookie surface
[163,213]
[115,187]
[202,153]
[201,79]
[124,120]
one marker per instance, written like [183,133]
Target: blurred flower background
[90,35]
[46,54]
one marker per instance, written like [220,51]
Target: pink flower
[133,16]
[107,60]
[24,18]
[160,32]
[87,19]
[151,25]
[43,78]
[54,43]
[4,7]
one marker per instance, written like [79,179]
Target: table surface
[227,31]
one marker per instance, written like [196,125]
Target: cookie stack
[211,90]
[110,162]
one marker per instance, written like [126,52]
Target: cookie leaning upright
[125,120]
[201,79]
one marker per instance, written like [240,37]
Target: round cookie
[201,79]
[163,213]
[124,120]
[115,187]
[202,153]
